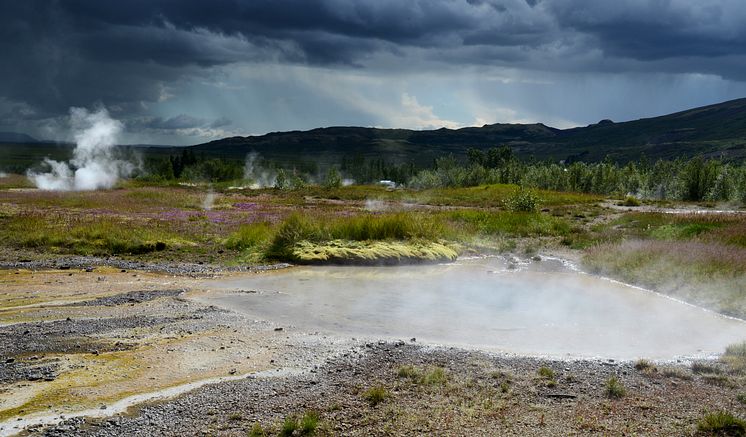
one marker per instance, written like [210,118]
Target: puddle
[548,311]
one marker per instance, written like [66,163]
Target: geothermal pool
[548,311]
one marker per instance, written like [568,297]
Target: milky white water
[479,303]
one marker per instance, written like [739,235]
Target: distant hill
[714,131]
[15,137]
[717,130]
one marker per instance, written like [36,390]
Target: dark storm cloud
[126,54]
[181,121]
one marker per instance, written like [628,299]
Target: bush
[523,200]
[721,423]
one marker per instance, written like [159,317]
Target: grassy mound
[371,252]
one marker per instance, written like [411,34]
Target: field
[114,320]
[676,254]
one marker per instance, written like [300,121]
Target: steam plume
[94,165]
[259,176]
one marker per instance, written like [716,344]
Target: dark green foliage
[523,200]
[333,178]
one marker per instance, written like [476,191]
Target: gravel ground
[476,394]
[31,261]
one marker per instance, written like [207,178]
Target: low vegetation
[721,423]
[614,388]
[375,395]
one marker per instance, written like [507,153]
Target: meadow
[697,257]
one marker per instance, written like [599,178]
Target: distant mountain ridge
[15,137]
[717,130]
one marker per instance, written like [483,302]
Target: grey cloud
[123,54]
[181,121]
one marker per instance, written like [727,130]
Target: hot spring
[550,310]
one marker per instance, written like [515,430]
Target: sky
[186,71]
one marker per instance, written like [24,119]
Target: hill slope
[715,130]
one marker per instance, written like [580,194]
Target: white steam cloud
[93,165]
[259,176]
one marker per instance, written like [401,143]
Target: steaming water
[481,304]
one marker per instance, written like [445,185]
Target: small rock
[278,329]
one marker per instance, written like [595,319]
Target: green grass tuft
[721,423]
[614,388]
[375,395]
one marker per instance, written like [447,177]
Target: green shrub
[522,200]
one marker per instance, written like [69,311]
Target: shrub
[721,423]
[522,200]
[614,388]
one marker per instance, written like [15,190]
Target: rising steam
[259,176]
[93,165]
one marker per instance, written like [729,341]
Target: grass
[709,274]
[735,358]
[257,431]
[364,239]
[614,388]
[432,376]
[741,397]
[375,395]
[548,375]
[88,235]
[250,236]
[522,224]
[721,423]
[305,425]
[644,365]
[545,372]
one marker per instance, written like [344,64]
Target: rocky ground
[431,391]
[85,337]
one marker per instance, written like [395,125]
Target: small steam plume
[209,200]
[93,165]
[260,177]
